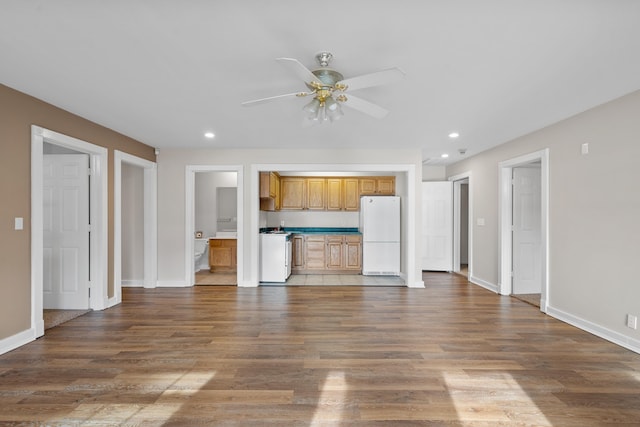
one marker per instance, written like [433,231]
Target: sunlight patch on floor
[178,389]
[500,400]
[331,401]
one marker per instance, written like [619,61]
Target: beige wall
[17,113]
[594,208]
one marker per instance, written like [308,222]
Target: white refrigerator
[380,228]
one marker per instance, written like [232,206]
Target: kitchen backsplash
[311,219]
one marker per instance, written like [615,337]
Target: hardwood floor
[450,354]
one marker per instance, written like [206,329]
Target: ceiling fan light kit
[327,86]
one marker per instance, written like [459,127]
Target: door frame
[505,174]
[98,205]
[190,184]
[150,213]
[458,180]
[405,187]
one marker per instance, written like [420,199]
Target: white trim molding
[408,250]
[505,194]
[98,158]
[17,340]
[150,214]
[600,331]
[458,180]
[189,226]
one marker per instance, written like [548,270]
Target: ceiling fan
[328,88]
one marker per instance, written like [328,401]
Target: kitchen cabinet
[298,193]
[326,254]
[378,186]
[222,255]
[314,252]
[334,254]
[351,199]
[297,252]
[320,193]
[315,193]
[353,252]
[269,191]
[269,183]
[343,194]
[292,193]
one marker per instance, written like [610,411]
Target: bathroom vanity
[223,254]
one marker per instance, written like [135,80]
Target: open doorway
[462,229]
[135,224]
[524,221]
[214,219]
[96,262]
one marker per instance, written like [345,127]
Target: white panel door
[437,226]
[527,265]
[66,231]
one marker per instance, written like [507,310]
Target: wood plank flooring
[450,354]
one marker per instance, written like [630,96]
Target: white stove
[275,257]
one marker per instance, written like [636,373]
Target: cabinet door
[353,252]
[367,186]
[297,249]
[292,193]
[222,254]
[386,186]
[273,183]
[314,253]
[277,192]
[351,198]
[335,194]
[335,257]
[316,194]
[264,184]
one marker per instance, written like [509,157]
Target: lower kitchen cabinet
[327,254]
[314,253]
[223,255]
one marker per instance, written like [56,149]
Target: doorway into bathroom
[214,225]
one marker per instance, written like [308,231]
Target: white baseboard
[595,329]
[17,340]
[132,283]
[172,284]
[418,284]
[483,283]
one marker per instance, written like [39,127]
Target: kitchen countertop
[316,230]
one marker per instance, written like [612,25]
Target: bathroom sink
[227,234]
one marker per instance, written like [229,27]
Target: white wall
[594,211]
[313,219]
[132,225]
[171,194]
[206,203]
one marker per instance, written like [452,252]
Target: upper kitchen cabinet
[316,193]
[269,191]
[378,186]
[298,193]
[343,194]
[292,193]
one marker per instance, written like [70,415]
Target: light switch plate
[19,224]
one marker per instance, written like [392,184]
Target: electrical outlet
[632,321]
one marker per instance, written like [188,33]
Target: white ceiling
[164,72]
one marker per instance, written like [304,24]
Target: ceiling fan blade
[299,70]
[365,107]
[378,78]
[273,98]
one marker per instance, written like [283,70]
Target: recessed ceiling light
[444,156]
[454,135]
[209,135]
